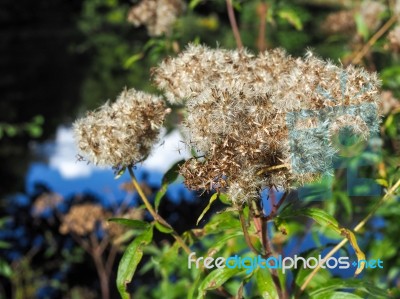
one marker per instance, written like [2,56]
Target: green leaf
[216,278]
[169,177]
[265,284]
[132,223]
[318,215]
[224,198]
[193,4]
[162,228]
[291,16]
[382,182]
[338,295]
[38,120]
[362,27]
[4,245]
[222,222]
[131,60]
[119,173]
[129,261]
[160,194]
[359,285]
[172,174]
[10,130]
[5,269]
[212,199]
[325,219]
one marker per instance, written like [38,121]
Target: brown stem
[359,226]
[261,11]
[359,55]
[232,20]
[111,259]
[103,275]
[157,217]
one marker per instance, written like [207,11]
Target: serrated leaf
[217,278]
[212,199]
[265,284]
[130,259]
[132,223]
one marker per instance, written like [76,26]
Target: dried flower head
[278,111]
[198,67]
[370,12]
[157,15]
[394,39]
[83,219]
[340,22]
[388,102]
[122,133]
[46,202]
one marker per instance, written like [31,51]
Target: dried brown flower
[122,133]
[157,15]
[388,102]
[83,219]
[340,22]
[46,201]
[243,123]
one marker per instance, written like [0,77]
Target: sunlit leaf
[291,16]
[217,278]
[129,261]
[265,284]
[212,199]
[162,228]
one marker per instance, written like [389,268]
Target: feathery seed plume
[122,133]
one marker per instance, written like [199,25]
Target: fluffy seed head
[122,133]
[157,15]
[278,111]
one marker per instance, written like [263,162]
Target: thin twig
[232,20]
[364,50]
[261,221]
[246,233]
[157,217]
[356,229]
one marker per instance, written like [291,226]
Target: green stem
[157,217]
